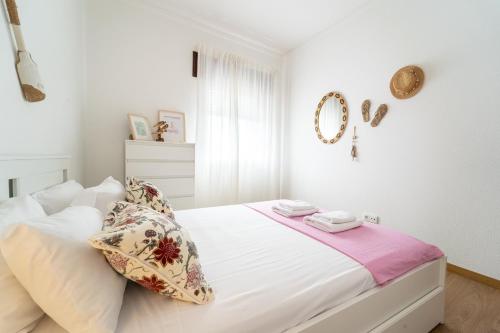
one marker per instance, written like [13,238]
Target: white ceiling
[279,25]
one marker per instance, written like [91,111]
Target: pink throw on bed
[386,253]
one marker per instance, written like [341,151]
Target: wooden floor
[471,307]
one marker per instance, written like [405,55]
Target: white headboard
[27,174]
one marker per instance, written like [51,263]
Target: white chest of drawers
[170,166]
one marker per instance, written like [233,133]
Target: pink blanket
[386,253]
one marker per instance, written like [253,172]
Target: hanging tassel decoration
[354,150]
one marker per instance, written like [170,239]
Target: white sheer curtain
[238,131]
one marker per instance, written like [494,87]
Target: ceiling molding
[209,27]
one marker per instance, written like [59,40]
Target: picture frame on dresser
[139,127]
[176,130]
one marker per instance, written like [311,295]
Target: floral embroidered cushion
[143,193]
[154,251]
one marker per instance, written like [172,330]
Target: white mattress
[266,277]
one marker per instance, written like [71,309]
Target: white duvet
[266,276]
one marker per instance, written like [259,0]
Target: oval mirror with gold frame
[330,119]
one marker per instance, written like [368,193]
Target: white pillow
[101,195]
[56,198]
[18,312]
[69,280]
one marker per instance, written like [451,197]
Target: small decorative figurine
[381,112]
[354,150]
[161,128]
[365,110]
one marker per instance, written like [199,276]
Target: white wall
[54,125]
[432,168]
[139,61]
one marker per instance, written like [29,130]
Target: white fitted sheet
[266,276]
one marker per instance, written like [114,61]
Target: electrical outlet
[371,218]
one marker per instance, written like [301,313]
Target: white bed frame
[27,174]
[413,303]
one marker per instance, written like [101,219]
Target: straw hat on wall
[407,82]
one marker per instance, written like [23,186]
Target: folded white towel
[295,205]
[290,213]
[336,216]
[332,228]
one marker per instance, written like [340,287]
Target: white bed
[269,278]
